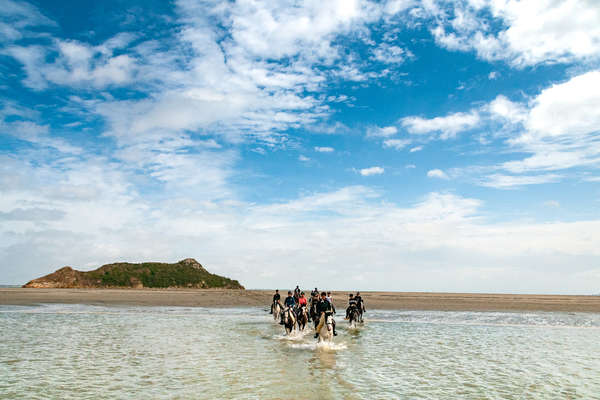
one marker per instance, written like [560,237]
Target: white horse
[326,332]
[276,311]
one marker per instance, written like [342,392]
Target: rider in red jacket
[302,300]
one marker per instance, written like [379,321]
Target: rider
[324,309]
[330,300]
[361,304]
[276,298]
[296,293]
[289,302]
[315,293]
[351,304]
[302,300]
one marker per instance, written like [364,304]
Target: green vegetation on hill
[185,273]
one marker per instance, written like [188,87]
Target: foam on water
[78,351]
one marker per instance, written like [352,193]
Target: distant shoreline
[257,298]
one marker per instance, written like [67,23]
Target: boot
[334,333]
[316,335]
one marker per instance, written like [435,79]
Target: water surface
[82,351]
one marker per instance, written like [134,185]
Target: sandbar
[257,298]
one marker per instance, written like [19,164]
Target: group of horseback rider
[320,306]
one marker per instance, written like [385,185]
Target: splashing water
[78,351]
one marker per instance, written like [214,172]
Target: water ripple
[78,351]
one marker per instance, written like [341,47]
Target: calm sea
[89,352]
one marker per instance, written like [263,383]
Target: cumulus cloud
[557,129]
[437,173]
[324,149]
[543,31]
[397,144]
[551,204]
[501,181]
[371,171]
[561,127]
[447,126]
[386,131]
[439,236]
[76,63]
[390,54]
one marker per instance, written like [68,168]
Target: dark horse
[354,317]
[288,316]
[302,314]
[313,315]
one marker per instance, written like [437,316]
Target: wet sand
[252,298]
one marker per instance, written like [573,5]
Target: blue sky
[439,145]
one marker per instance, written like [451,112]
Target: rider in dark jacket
[276,298]
[360,304]
[289,300]
[324,308]
[351,303]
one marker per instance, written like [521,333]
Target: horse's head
[286,313]
[329,321]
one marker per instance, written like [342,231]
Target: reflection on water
[78,351]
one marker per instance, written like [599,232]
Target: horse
[326,331]
[302,318]
[288,316]
[313,315]
[276,311]
[353,317]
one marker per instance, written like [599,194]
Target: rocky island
[187,273]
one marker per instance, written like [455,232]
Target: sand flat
[249,298]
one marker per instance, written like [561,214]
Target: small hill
[187,273]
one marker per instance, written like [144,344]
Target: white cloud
[397,144]
[416,148]
[270,30]
[557,129]
[16,19]
[443,241]
[562,127]
[533,32]
[437,173]
[501,181]
[447,126]
[324,149]
[390,54]
[303,158]
[77,63]
[372,171]
[493,75]
[570,109]
[502,108]
[386,131]
[551,204]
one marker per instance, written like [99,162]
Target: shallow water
[80,351]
